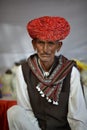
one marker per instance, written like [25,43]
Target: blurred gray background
[15,44]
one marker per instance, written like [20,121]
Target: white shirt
[77,110]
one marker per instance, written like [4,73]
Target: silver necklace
[45,73]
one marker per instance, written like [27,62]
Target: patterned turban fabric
[48,28]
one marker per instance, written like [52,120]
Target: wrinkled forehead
[41,40]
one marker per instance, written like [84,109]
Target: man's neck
[46,66]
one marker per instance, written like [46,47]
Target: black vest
[50,117]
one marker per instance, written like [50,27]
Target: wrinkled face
[46,49]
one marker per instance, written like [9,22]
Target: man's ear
[33,44]
[59,45]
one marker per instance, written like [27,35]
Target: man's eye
[51,43]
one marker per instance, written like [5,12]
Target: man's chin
[45,59]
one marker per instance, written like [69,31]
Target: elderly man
[49,93]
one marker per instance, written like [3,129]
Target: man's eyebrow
[40,41]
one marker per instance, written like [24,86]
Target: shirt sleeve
[21,90]
[77,111]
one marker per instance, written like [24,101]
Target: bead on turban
[48,28]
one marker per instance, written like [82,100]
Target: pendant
[46,74]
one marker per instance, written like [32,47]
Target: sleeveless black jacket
[50,117]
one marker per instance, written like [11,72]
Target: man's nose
[46,47]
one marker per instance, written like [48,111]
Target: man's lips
[45,55]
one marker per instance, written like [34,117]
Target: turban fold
[48,28]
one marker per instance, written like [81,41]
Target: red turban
[48,28]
